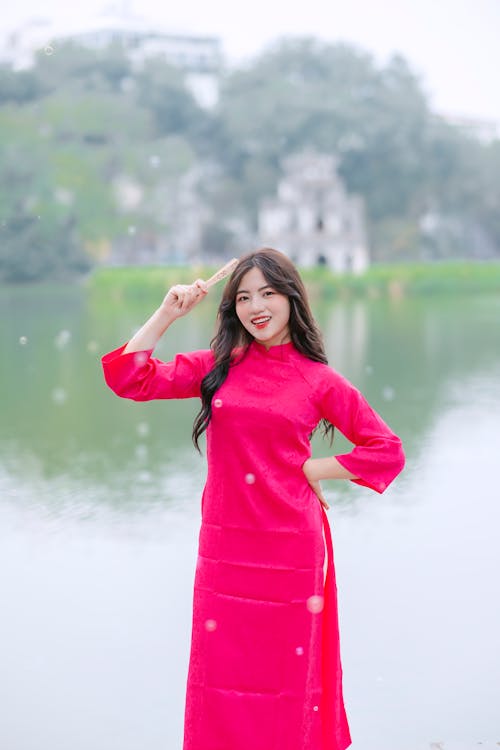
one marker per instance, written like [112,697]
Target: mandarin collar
[278,351]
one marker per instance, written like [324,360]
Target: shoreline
[393,281]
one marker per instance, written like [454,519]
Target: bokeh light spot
[23,340]
[62,339]
[143,429]
[59,396]
[140,358]
[315,604]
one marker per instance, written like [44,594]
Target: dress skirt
[265,661]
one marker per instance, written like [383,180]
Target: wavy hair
[231,336]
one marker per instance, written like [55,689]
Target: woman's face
[262,311]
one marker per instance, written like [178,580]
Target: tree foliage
[93,145]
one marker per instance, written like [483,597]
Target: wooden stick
[222,272]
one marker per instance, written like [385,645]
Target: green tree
[106,70]
[39,218]
[19,86]
[160,88]
[66,159]
[305,93]
[393,150]
[95,145]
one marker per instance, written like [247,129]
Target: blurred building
[178,237]
[200,58]
[313,218]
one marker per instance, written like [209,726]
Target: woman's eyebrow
[240,291]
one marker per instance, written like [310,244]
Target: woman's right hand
[181,298]
[314,483]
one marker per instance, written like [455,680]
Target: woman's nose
[256,303]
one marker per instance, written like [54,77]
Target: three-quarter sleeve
[378,456]
[141,377]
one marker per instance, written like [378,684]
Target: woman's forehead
[252,280]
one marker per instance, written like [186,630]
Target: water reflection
[346,334]
[422,589]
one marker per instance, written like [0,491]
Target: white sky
[454,45]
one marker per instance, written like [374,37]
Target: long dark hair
[281,274]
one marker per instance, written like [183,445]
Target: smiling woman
[265,668]
[262,311]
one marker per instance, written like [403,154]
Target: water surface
[100,507]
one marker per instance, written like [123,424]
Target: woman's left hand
[307,468]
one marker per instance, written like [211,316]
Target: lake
[100,510]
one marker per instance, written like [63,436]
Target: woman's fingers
[308,468]
[175,297]
[202,285]
[316,486]
[183,297]
[194,294]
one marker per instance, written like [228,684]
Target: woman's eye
[268,293]
[242,298]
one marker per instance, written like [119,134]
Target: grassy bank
[397,280]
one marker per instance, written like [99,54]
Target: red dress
[264,670]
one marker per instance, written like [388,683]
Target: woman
[264,670]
